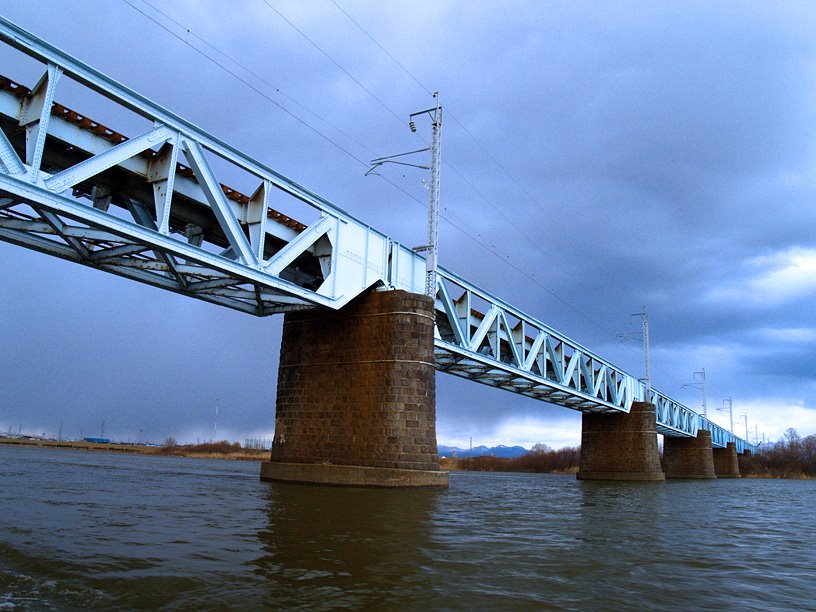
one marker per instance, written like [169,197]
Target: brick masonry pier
[726,464]
[356,399]
[620,446]
[689,457]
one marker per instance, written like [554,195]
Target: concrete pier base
[351,475]
[356,398]
[620,446]
[689,457]
[726,464]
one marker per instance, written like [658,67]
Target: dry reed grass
[562,461]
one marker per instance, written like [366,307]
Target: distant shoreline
[448,464]
[138,449]
[225,451]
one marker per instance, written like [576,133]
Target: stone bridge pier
[726,464]
[356,397]
[620,446]
[689,457]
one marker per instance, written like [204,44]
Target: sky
[597,157]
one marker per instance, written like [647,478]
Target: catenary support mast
[433,201]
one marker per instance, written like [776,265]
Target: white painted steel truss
[484,339]
[151,208]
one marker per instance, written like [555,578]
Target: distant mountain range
[508,452]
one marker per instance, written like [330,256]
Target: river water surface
[95,530]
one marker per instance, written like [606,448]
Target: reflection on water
[700,544]
[351,547]
[91,530]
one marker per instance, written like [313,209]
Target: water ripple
[82,530]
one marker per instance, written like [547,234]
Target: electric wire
[333,61]
[260,77]
[384,50]
[498,164]
[463,127]
[617,337]
[263,94]
[393,112]
[512,222]
[456,224]
[252,86]
[466,233]
[456,120]
[280,106]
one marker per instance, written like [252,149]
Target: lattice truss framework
[484,339]
[151,208]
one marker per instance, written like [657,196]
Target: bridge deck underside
[78,234]
[483,369]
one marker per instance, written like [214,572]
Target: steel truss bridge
[151,208]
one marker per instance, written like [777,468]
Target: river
[96,530]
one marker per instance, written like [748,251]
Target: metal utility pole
[433,202]
[700,384]
[215,423]
[432,248]
[745,416]
[730,404]
[648,378]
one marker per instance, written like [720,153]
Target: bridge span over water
[151,207]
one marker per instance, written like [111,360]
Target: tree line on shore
[792,457]
[540,459]
[213,449]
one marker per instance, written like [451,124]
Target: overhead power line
[335,62]
[383,49]
[492,157]
[447,215]
[475,236]
[447,164]
[249,84]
